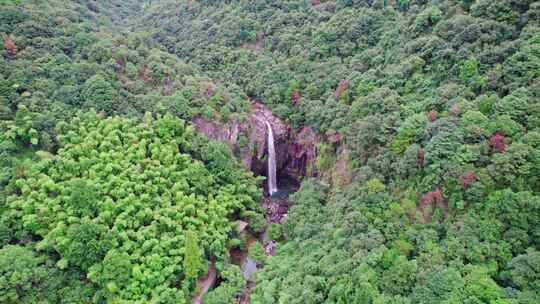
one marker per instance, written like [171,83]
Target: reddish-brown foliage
[497,143]
[420,158]
[434,199]
[295,96]
[210,89]
[333,136]
[342,87]
[9,45]
[456,109]
[468,178]
[432,115]
[430,198]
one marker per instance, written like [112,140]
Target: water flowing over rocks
[296,150]
[271,177]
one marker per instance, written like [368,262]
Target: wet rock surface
[296,150]
[248,136]
[276,210]
[302,152]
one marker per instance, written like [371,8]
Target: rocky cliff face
[296,150]
[248,137]
[302,152]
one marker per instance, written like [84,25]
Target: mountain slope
[430,108]
[437,103]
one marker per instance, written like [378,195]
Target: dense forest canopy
[121,209]
[121,201]
[108,195]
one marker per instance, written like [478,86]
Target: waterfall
[272,181]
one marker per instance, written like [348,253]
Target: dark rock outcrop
[302,152]
[248,137]
[297,150]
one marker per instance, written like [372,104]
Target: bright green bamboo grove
[124,202]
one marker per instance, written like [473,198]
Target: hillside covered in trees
[412,126]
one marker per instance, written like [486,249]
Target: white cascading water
[272,180]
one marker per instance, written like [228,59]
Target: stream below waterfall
[276,209]
[275,205]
